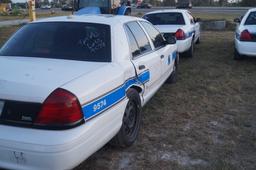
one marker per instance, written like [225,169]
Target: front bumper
[23,148]
[246,48]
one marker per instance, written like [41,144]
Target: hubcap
[130,117]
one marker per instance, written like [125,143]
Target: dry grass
[5,33]
[216,16]
[38,15]
[205,121]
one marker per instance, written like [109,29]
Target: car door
[166,52]
[195,25]
[147,63]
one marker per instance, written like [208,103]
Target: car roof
[168,11]
[91,18]
[252,10]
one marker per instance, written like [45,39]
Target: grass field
[5,33]
[205,121]
[38,15]
[216,16]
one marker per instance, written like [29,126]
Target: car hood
[168,28]
[33,79]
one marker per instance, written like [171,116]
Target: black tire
[237,56]
[174,76]
[198,41]
[190,52]
[129,131]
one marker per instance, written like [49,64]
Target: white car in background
[71,84]
[46,7]
[179,23]
[245,38]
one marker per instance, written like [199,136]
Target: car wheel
[173,77]
[190,52]
[237,56]
[198,41]
[129,131]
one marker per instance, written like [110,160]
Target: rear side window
[251,20]
[171,18]
[61,40]
[140,37]
[154,34]
[132,43]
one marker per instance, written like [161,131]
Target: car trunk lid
[33,79]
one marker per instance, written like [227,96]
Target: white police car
[245,38]
[71,84]
[179,23]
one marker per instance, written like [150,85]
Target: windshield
[93,3]
[251,20]
[61,40]
[173,18]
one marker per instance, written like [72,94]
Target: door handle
[162,56]
[142,67]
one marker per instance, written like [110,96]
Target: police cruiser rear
[69,85]
[245,38]
[179,23]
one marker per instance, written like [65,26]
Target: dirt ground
[205,121]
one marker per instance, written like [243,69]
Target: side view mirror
[198,20]
[237,20]
[170,39]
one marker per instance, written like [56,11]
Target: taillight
[180,34]
[60,108]
[245,36]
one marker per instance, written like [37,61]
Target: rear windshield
[251,20]
[173,18]
[61,40]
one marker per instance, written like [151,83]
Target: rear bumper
[184,45]
[23,148]
[246,48]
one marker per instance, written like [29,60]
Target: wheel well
[138,89]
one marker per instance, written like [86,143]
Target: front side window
[154,34]
[170,18]
[251,20]
[61,40]
[140,37]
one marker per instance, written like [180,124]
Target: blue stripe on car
[190,34]
[105,102]
[174,55]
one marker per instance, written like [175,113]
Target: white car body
[99,86]
[191,28]
[46,7]
[247,48]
